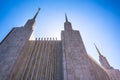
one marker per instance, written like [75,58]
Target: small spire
[66,17]
[36,13]
[97,50]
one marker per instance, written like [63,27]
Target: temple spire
[66,17]
[67,24]
[103,60]
[97,50]
[36,13]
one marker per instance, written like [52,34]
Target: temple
[24,58]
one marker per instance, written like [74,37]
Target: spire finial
[36,13]
[97,50]
[66,17]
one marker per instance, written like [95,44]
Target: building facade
[22,58]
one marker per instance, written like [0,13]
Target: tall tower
[103,60]
[114,74]
[12,44]
[77,65]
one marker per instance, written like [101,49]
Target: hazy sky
[97,20]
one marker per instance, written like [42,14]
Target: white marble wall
[10,50]
[77,64]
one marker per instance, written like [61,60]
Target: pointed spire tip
[36,13]
[97,49]
[39,9]
[66,17]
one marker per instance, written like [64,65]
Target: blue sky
[97,20]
